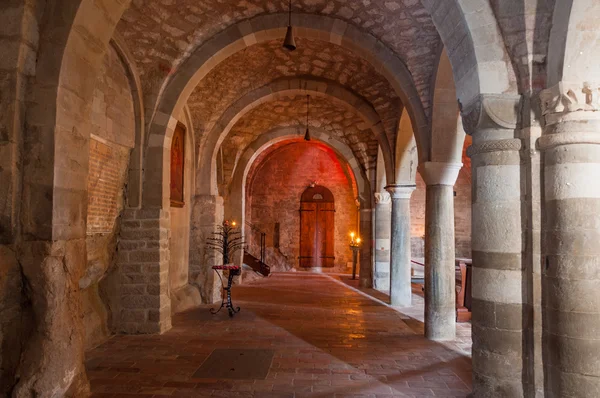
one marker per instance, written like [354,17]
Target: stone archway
[256,30]
[55,191]
[318,87]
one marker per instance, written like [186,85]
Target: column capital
[401,191]
[440,173]
[570,113]
[382,197]
[490,112]
[568,97]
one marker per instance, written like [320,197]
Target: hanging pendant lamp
[289,43]
[307,135]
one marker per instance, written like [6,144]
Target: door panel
[326,229]
[308,230]
[317,217]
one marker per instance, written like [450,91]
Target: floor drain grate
[236,364]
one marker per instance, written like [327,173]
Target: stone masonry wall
[113,136]
[144,272]
[276,188]
[18,41]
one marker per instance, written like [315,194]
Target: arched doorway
[317,216]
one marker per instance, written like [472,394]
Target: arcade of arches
[439,129]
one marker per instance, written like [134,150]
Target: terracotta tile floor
[329,339]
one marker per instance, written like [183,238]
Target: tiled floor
[329,340]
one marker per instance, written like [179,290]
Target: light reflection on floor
[328,339]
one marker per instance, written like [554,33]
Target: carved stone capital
[401,191]
[440,173]
[570,112]
[494,146]
[382,198]
[490,111]
[569,97]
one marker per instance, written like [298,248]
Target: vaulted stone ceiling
[261,64]
[327,116]
[161,34]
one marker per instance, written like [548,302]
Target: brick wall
[275,187]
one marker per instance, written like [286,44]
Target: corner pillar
[440,279]
[400,254]
[207,215]
[144,272]
[570,144]
[499,315]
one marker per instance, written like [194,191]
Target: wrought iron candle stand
[226,241]
[355,246]
[234,270]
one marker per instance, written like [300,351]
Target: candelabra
[355,246]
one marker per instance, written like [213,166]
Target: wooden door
[325,233]
[317,211]
[308,234]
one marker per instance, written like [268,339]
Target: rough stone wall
[113,136]
[18,41]
[275,189]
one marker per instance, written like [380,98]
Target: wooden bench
[463,296]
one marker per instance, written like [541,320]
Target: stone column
[440,279]
[400,255]
[207,215]
[383,209]
[571,228]
[498,294]
[365,279]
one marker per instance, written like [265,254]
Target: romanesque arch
[256,30]
[235,208]
[206,171]
[476,50]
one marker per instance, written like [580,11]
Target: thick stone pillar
[498,294]
[440,279]
[144,268]
[207,215]
[400,256]
[383,211]
[571,226]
